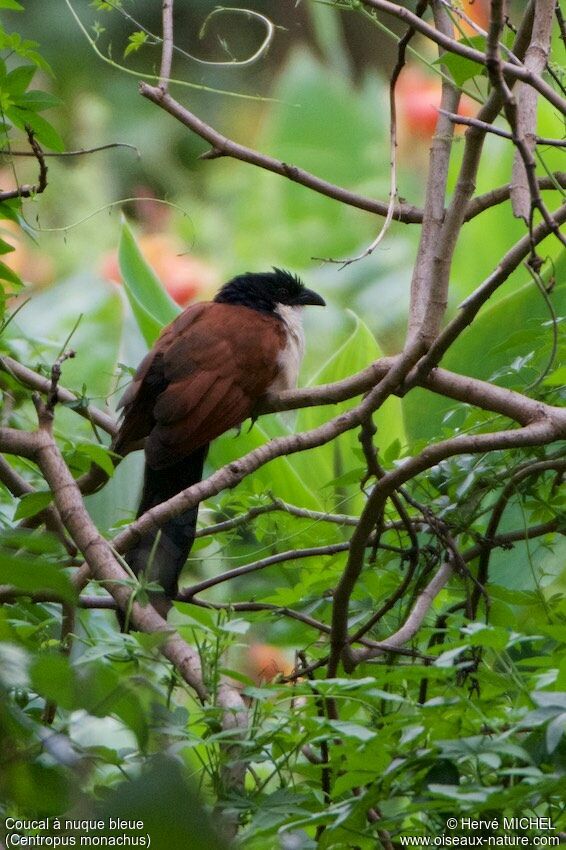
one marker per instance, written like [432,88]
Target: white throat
[291,356]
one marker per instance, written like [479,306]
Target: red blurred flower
[417,97]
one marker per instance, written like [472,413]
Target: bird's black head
[264,290]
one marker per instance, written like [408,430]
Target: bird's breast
[291,355]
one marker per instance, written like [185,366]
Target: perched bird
[206,374]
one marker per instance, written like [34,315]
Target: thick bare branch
[474,302]
[428,291]
[167,44]
[441,250]
[102,561]
[526,98]
[502,193]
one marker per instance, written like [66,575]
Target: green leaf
[6,273]
[17,81]
[11,4]
[341,457]
[102,692]
[37,100]
[353,730]
[5,247]
[136,40]
[523,307]
[10,210]
[98,454]
[461,68]
[45,133]
[149,326]
[35,575]
[171,810]
[39,542]
[151,305]
[33,503]
[52,678]
[482,635]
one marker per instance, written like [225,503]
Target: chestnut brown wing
[203,377]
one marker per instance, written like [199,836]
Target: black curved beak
[307,296]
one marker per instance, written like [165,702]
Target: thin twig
[498,131]
[30,191]
[401,53]
[80,152]
[29,378]
[293,554]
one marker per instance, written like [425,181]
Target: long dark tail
[163,562]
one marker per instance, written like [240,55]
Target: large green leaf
[281,476]
[151,305]
[48,318]
[341,458]
[162,799]
[34,575]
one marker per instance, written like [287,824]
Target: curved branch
[41,185]
[413,622]
[222,146]
[102,561]
[486,547]
[539,432]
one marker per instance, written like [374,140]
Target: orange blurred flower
[264,662]
[32,265]
[478,11]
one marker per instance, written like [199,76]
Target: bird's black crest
[262,290]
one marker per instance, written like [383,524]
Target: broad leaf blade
[152,306]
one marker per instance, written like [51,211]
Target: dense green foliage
[471,719]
